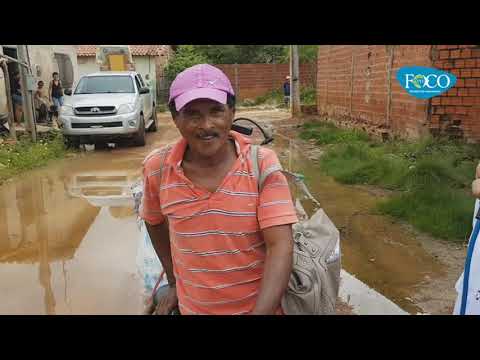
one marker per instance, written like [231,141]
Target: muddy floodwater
[68,238]
[414,270]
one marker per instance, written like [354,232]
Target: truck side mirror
[144,90]
[68,92]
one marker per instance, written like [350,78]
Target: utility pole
[294,81]
[26,92]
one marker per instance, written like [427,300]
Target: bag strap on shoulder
[259,175]
[262,176]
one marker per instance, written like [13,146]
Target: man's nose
[206,122]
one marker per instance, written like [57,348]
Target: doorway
[12,66]
[65,70]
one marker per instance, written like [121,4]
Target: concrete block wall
[357,87]
[254,80]
[457,112]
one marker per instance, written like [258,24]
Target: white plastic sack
[148,264]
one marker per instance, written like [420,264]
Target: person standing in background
[286,91]
[55,92]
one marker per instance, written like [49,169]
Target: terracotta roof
[137,50]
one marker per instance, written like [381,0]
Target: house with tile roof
[148,59]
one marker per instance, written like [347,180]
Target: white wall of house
[87,65]
[43,63]
[146,65]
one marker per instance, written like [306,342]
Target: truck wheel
[139,139]
[72,142]
[153,127]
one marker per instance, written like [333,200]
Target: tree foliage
[243,54]
[185,56]
[189,55]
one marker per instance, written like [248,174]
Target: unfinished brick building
[357,87]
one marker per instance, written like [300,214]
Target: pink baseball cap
[201,81]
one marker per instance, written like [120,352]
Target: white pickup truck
[107,106]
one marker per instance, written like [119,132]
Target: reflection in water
[68,245]
[102,188]
[43,220]
[40,224]
[45,277]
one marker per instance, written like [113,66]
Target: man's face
[55,77]
[205,124]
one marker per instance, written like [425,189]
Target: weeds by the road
[26,155]
[432,176]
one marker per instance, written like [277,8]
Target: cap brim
[201,93]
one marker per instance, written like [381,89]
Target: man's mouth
[207,137]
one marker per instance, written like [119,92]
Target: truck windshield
[105,85]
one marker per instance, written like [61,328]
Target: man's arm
[161,243]
[160,237]
[277,269]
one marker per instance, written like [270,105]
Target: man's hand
[167,303]
[277,269]
[476,183]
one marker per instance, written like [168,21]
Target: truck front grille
[95,110]
[96,125]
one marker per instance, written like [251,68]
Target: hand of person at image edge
[476,183]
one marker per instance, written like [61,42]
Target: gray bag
[315,278]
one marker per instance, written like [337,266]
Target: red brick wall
[457,112]
[354,89]
[253,80]
[357,87]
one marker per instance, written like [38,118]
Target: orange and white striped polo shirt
[218,252]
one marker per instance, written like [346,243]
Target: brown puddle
[377,250]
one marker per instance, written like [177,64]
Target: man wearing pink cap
[226,247]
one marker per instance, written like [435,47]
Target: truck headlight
[125,109]
[66,110]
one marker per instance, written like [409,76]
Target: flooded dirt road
[64,249]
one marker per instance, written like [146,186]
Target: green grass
[327,133]
[26,155]
[432,177]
